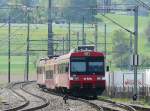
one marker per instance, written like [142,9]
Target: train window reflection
[96,67]
[78,66]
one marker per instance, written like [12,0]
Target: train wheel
[95,96]
[57,90]
[39,85]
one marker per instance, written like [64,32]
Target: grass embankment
[17,64]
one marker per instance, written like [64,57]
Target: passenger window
[49,74]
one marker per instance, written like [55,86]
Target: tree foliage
[79,9]
[120,48]
[147,32]
[120,42]
[145,61]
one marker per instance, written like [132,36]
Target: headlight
[71,78]
[103,78]
[98,78]
[74,78]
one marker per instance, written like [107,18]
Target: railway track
[95,106]
[26,96]
[24,103]
[113,106]
[22,90]
[129,107]
[140,108]
[99,105]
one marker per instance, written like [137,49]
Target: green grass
[126,21]
[127,100]
[17,64]
[18,39]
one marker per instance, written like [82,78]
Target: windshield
[78,66]
[95,66]
[87,65]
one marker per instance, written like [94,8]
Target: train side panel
[50,76]
[62,74]
[41,73]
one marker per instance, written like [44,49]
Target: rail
[97,107]
[26,101]
[121,105]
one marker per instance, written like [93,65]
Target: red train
[79,72]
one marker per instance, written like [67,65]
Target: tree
[147,32]
[120,49]
[79,9]
[145,61]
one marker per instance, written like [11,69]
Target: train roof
[63,57]
[51,61]
[41,62]
[66,56]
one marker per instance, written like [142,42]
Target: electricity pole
[9,29]
[69,34]
[105,40]
[50,33]
[135,53]
[67,44]
[78,38]
[96,35]
[83,32]
[27,52]
[135,56]
[131,49]
[63,45]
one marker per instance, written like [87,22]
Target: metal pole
[50,33]
[85,39]
[69,34]
[28,35]
[105,35]
[131,50]
[63,45]
[9,31]
[109,85]
[123,82]
[83,33]
[96,35]
[67,44]
[135,47]
[77,38]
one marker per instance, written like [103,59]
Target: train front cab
[87,73]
